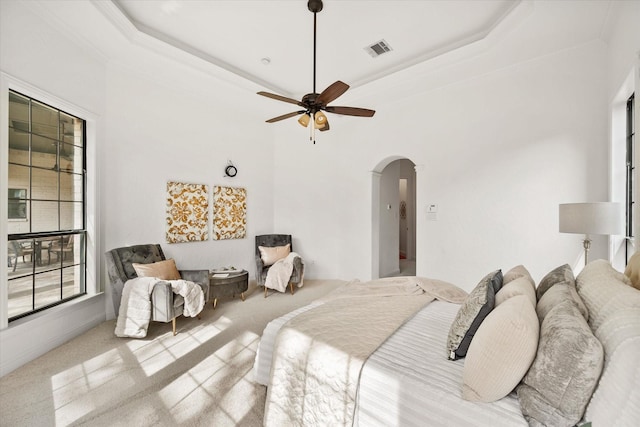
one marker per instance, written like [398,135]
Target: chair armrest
[298,270]
[201,277]
[259,268]
[162,302]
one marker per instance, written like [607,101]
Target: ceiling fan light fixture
[304,120]
[320,120]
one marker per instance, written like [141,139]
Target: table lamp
[603,218]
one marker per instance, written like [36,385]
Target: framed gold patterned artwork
[229,213]
[187,212]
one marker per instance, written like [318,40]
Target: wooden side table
[228,284]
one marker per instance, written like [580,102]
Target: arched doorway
[393,218]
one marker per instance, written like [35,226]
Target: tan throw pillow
[270,255]
[501,351]
[165,270]
[520,286]
[633,270]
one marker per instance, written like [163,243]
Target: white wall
[158,132]
[30,46]
[500,152]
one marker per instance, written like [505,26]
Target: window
[630,173]
[17,203]
[47,169]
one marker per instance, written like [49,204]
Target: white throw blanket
[319,354]
[135,306]
[280,272]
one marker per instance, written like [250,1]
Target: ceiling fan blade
[281,98]
[285,116]
[332,92]
[351,111]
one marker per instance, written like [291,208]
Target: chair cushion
[270,255]
[165,270]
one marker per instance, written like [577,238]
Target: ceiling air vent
[378,48]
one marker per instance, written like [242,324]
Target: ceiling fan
[315,103]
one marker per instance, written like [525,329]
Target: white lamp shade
[592,218]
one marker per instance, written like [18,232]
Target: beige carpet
[201,377]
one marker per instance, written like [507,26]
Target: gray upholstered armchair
[165,305]
[273,240]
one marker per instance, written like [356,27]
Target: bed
[321,366]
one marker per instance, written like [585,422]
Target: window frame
[17,201]
[93,286]
[629,176]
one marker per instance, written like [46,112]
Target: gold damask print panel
[187,212]
[229,213]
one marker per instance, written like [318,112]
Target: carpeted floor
[201,377]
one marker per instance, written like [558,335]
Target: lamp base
[586,244]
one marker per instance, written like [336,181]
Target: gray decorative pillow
[555,295]
[568,364]
[564,273]
[474,309]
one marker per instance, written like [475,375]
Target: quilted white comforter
[318,355]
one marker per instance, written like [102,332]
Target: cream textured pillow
[270,255]
[520,286]
[165,270]
[517,272]
[501,351]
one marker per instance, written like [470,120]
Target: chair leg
[173,323]
[242,296]
[265,291]
[215,303]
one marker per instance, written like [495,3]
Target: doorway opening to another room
[394,218]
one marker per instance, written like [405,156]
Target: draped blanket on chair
[280,272]
[135,308]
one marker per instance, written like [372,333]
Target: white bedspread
[135,305]
[409,381]
[318,355]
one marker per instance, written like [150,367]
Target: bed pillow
[270,255]
[568,363]
[517,272]
[501,351]
[165,270]
[555,295]
[633,270]
[474,309]
[564,273]
[519,286]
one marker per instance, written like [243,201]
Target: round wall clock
[231,171]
